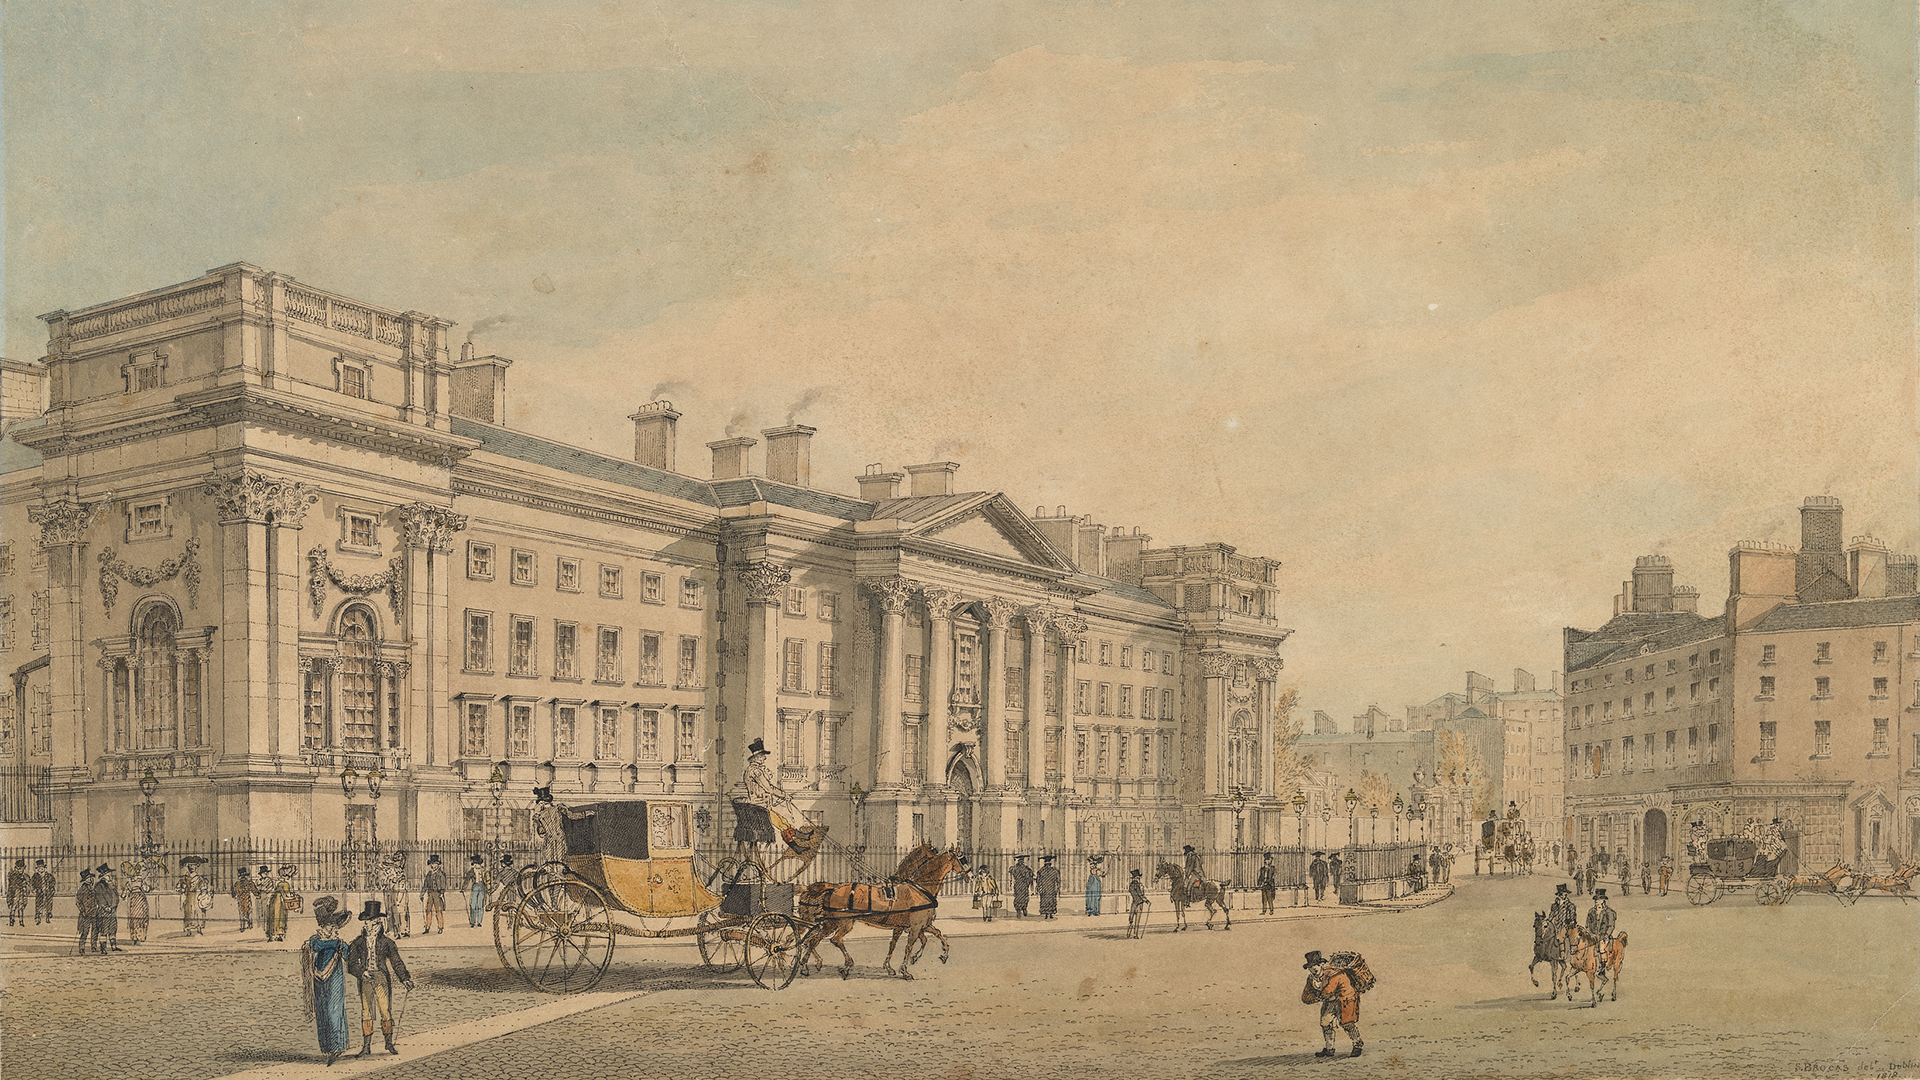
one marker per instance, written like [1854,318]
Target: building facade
[266,538]
[1799,704]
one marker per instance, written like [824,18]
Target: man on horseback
[1562,913]
[1600,924]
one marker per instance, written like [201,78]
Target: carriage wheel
[562,938]
[503,904]
[722,942]
[773,950]
[1770,894]
[1702,889]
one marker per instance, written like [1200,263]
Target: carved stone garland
[321,570]
[186,568]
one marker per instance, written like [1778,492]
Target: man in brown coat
[1333,990]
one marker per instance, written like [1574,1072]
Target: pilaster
[894,594]
[431,732]
[63,525]
[765,584]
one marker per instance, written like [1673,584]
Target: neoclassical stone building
[264,535]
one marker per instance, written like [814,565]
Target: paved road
[1728,990]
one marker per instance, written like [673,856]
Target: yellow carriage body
[639,854]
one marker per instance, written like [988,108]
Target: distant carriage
[1735,864]
[1507,842]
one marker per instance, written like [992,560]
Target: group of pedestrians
[374,962]
[1599,865]
[21,885]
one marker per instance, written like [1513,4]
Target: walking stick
[401,1013]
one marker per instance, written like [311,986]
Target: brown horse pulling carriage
[630,871]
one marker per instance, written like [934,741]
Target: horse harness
[889,890]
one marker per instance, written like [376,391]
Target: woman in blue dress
[323,970]
[1096,870]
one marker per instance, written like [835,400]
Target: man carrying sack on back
[1336,985]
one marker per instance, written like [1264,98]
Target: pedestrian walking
[433,896]
[374,960]
[282,902]
[475,883]
[107,908]
[323,967]
[1446,862]
[43,882]
[1022,876]
[19,886]
[1433,866]
[1666,872]
[1646,877]
[399,897]
[86,906]
[1269,884]
[506,880]
[1336,991]
[196,895]
[1318,871]
[1136,891]
[243,891]
[1048,882]
[136,887]
[1096,881]
[1626,872]
[986,893]
[1336,869]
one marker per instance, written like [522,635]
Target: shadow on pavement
[1306,1058]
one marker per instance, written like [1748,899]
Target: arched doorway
[960,782]
[1654,836]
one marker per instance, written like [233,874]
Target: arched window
[1243,752]
[156,680]
[359,682]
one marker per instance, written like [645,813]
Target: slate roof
[742,490]
[923,507]
[1625,633]
[1840,614]
[14,457]
[532,448]
[1120,589]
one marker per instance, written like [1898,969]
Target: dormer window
[353,377]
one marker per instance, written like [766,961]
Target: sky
[1452,307]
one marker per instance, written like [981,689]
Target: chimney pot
[877,486]
[730,457]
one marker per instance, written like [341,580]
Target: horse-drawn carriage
[1734,864]
[1508,842]
[630,870]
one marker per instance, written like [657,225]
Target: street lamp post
[1398,806]
[149,784]
[1326,824]
[1353,820]
[497,786]
[1299,821]
[1373,830]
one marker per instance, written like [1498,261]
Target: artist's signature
[1892,1070]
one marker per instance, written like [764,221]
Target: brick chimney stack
[878,485]
[933,478]
[653,434]
[1652,584]
[788,454]
[1820,538]
[730,457]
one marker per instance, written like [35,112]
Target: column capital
[251,496]
[895,593]
[764,581]
[999,612]
[1216,663]
[941,601]
[1268,667]
[63,521]
[431,527]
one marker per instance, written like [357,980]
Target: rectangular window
[1146,755]
[830,750]
[1166,704]
[966,668]
[147,521]
[827,672]
[1049,693]
[566,575]
[606,662]
[1673,666]
[480,641]
[479,561]
[1080,761]
[1628,676]
[1879,688]
[520,731]
[916,677]
[827,607]
[565,719]
[524,571]
[473,824]
[1606,709]
[1767,730]
[796,604]
[1671,691]
[1083,697]
[476,734]
[1647,702]
[606,735]
[793,668]
[6,558]
[650,670]
[1166,663]
[1082,651]
[1822,738]
[1693,691]
[610,581]
[1626,755]
[1671,740]
[1147,662]
[910,754]
[1126,656]
[1123,756]
[690,675]
[791,730]
[520,652]
[1693,746]
[1822,651]
[1879,652]
[314,693]
[1103,702]
[566,650]
[689,742]
[1713,688]
[649,748]
[1766,654]
[1766,686]
[353,380]
[1713,744]
[690,593]
[1880,725]
[1821,687]
[361,532]
[1016,683]
[1106,653]
[1713,657]
[1126,701]
[653,588]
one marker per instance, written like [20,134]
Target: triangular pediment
[995,527]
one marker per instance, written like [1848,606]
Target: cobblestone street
[1078,998]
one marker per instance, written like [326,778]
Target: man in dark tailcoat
[86,906]
[1022,877]
[1336,870]
[19,885]
[1318,871]
[1268,882]
[1048,881]
[43,882]
[374,960]
[107,908]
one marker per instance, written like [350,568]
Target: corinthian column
[429,536]
[765,584]
[894,595]
[1036,745]
[940,605]
[993,694]
[63,530]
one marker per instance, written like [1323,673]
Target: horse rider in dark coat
[1600,924]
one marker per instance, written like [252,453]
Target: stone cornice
[656,516]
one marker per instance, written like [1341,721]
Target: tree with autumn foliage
[1290,770]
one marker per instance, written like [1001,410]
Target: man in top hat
[19,884]
[546,824]
[1136,891]
[1268,882]
[243,891]
[86,905]
[399,896]
[986,892]
[1317,871]
[1333,990]
[1600,923]
[506,880]
[196,895]
[43,882]
[433,896]
[475,884]
[1022,876]
[1336,871]
[374,960]
[1562,912]
[282,901]
[1048,881]
[1194,869]
[107,907]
